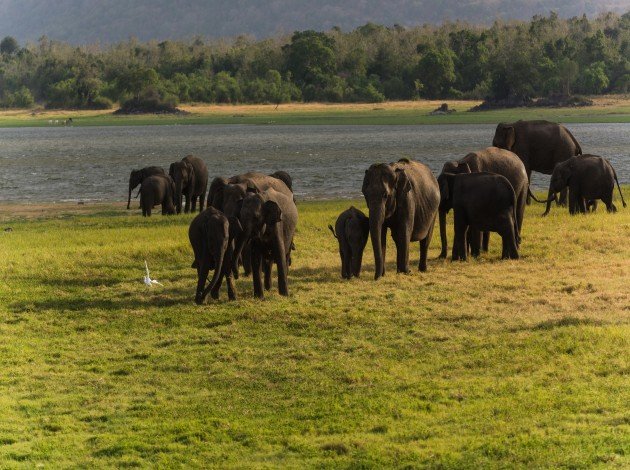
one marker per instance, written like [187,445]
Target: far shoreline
[606,109]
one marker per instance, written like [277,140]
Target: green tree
[310,57]
[593,80]
[436,71]
[9,45]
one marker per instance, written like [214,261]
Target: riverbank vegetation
[486,363]
[508,62]
[613,109]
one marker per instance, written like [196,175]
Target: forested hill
[85,21]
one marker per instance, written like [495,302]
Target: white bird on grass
[147,279]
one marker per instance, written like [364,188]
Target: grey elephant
[136,177]
[539,144]
[484,202]
[191,181]
[492,160]
[404,198]
[210,235]
[588,177]
[157,190]
[227,196]
[351,230]
[269,219]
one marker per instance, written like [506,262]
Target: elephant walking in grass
[403,197]
[483,202]
[492,160]
[227,195]
[137,176]
[157,190]
[268,219]
[588,177]
[351,230]
[539,144]
[210,235]
[191,181]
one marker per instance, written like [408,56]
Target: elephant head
[559,180]
[135,178]
[183,175]
[258,217]
[383,185]
[504,137]
[169,196]
[284,177]
[449,168]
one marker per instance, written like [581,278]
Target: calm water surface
[93,163]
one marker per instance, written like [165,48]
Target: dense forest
[515,61]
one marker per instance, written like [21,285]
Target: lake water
[93,163]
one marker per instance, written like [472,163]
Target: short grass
[606,109]
[480,364]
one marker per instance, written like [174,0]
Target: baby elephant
[156,190]
[351,230]
[589,178]
[211,236]
[481,202]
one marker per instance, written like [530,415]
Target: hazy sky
[81,21]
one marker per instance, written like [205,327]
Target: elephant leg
[475,241]
[257,273]
[203,268]
[193,205]
[231,288]
[346,261]
[246,261]
[582,205]
[486,241]
[573,202]
[402,253]
[267,265]
[202,202]
[214,293]
[424,249]
[610,207]
[384,247]
[562,201]
[459,243]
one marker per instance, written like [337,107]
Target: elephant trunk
[178,195]
[218,271]
[443,236]
[241,241]
[129,198]
[281,261]
[551,197]
[376,233]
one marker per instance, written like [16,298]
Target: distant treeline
[513,61]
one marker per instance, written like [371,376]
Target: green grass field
[480,364]
[612,110]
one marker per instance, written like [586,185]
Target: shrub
[101,102]
[150,101]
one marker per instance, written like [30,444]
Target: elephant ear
[365,182]
[463,167]
[510,137]
[252,189]
[272,213]
[403,184]
[444,191]
[235,227]
[171,170]
[216,191]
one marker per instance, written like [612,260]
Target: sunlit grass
[606,109]
[484,363]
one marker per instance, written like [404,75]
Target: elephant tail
[529,191]
[333,231]
[218,265]
[517,235]
[578,148]
[619,187]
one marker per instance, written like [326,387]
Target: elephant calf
[211,236]
[137,176]
[156,190]
[351,231]
[588,178]
[482,202]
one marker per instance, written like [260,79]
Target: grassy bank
[477,364]
[607,109]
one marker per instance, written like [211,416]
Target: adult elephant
[137,176]
[268,220]
[404,197]
[539,144]
[493,160]
[191,180]
[227,195]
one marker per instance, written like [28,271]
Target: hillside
[81,21]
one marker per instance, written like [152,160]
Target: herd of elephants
[250,219]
